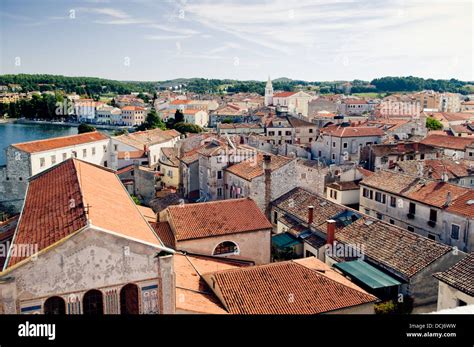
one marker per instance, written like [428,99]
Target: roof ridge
[60,137]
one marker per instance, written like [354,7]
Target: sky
[313,40]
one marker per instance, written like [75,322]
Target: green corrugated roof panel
[367,274]
[284,240]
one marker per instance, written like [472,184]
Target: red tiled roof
[180,102]
[451,142]
[463,205]
[131,155]
[460,275]
[284,288]
[353,131]
[54,208]
[163,230]
[60,142]
[132,108]
[283,94]
[253,167]
[215,218]
[57,198]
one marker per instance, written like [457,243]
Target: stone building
[438,210]
[456,284]
[338,144]
[337,235]
[27,159]
[83,247]
[262,178]
[235,229]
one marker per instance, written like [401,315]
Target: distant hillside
[97,86]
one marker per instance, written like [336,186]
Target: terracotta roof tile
[451,142]
[460,275]
[251,168]
[283,94]
[401,250]
[60,142]
[192,292]
[57,198]
[215,218]
[163,230]
[353,131]
[140,139]
[284,288]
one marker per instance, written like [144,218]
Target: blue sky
[302,39]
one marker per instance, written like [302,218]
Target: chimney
[448,199]
[331,231]
[267,159]
[166,283]
[416,146]
[444,176]
[310,215]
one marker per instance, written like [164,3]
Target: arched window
[55,305]
[129,299]
[226,247]
[93,302]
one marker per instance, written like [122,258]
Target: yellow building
[169,167]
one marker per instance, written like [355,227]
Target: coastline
[66,124]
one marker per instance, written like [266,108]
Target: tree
[152,121]
[227,120]
[188,128]
[433,124]
[120,132]
[85,128]
[178,116]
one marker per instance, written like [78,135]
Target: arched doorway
[129,299]
[54,305]
[93,302]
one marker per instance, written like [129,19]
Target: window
[64,156]
[288,133]
[310,131]
[365,192]
[455,231]
[84,152]
[275,217]
[333,156]
[379,216]
[53,159]
[42,162]
[170,173]
[393,201]
[219,192]
[219,159]
[334,144]
[379,197]
[226,247]
[93,150]
[391,221]
[93,303]
[409,228]
[432,237]
[433,215]
[344,145]
[54,305]
[367,211]
[104,147]
[219,175]
[412,208]
[115,147]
